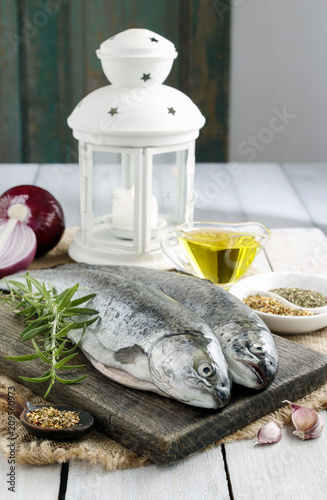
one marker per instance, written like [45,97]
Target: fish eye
[256,348]
[205,370]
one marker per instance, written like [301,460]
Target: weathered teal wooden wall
[48,63]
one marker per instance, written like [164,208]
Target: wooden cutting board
[159,428]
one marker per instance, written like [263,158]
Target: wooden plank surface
[287,474]
[276,195]
[303,250]
[265,195]
[216,196]
[10,90]
[310,184]
[17,174]
[44,80]
[163,429]
[183,480]
[56,66]
[291,469]
[31,483]
[205,53]
[224,192]
[62,181]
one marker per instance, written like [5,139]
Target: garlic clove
[313,432]
[307,422]
[268,434]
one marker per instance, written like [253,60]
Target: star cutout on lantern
[113,111]
[113,196]
[166,198]
[154,39]
[171,111]
[104,175]
[146,77]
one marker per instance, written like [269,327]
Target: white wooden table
[290,469]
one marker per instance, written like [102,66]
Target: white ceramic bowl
[290,325]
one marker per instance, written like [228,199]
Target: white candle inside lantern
[123,208]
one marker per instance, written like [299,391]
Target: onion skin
[45,217]
[17,256]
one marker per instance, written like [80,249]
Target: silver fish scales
[246,341]
[146,340]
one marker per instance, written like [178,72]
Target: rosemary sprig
[47,316]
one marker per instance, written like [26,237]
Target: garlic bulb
[308,423]
[268,434]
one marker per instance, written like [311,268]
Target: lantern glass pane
[107,178]
[169,185]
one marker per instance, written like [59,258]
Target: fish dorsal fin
[129,355]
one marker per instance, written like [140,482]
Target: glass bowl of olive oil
[217,251]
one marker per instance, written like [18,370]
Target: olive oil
[221,257]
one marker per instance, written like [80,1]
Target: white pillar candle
[123,208]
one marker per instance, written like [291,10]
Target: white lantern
[144,134]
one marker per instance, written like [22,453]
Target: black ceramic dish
[77,431]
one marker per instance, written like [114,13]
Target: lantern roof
[136,117]
[136,110]
[137,43]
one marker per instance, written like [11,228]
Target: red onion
[17,246]
[37,209]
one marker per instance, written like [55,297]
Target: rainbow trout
[246,341]
[146,340]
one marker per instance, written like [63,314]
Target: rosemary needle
[48,318]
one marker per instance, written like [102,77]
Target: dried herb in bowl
[302,297]
[47,416]
[272,306]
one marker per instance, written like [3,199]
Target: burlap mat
[98,448]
